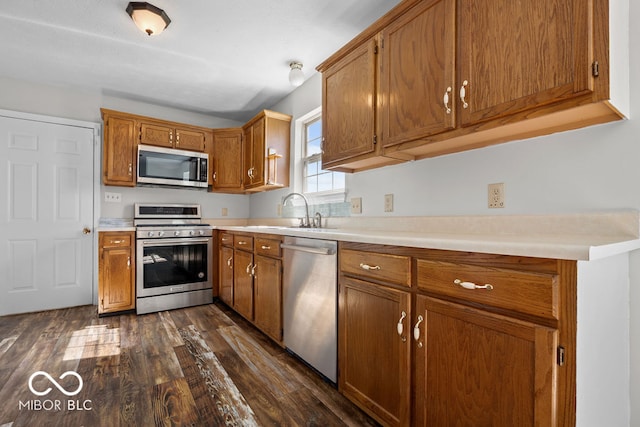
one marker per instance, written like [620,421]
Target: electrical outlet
[496,195]
[225,212]
[356,205]
[388,202]
[112,197]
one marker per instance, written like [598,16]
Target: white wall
[78,104]
[586,170]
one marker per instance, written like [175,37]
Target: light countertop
[574,237]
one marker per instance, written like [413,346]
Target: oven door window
[174,264]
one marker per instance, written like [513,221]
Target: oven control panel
[167,232]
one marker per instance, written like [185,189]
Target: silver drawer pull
[265,247]
[242,242]
[369,267]
[471,285]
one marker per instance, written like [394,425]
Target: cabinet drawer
[113,240]
[243,242]
[226,239]
[394,269]
[268,247]
[525,292]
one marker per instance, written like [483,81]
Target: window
[315,180]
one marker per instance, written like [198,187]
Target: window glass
[315,179]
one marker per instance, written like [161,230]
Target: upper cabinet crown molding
[442,76]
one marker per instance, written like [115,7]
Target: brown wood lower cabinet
[250,279]
[373,351]
[439,338]
[116,272]
[482,369]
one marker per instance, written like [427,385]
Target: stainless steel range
[173,257]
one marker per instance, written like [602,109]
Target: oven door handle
[165,242]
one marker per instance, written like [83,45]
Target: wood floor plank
[259,362]
[173,405]
[221,388]
[135,399]
[206,406]
[203,366]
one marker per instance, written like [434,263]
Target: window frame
[328,196]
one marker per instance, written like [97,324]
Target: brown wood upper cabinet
[226,160]
[441,76]
[119,150]
[170,136]
[266,151]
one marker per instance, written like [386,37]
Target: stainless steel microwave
[168,166]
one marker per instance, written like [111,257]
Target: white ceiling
[227,59]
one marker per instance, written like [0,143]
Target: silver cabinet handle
[370,267]
[242,242]
[253,270]
[128,262]
[130,169]
[416,329]
[400,326]
[249,269]
[229,264]
[471,285]
[463,94]
[265,247]
[445,100]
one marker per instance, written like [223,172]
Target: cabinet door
[118,163]
[158,135]
[225,287]
[348,110]
[268,296]
[190,140]
[243,283]
[226,154]
[417,73]
[255,155]
[474,368]
[116,273]
[516,55]
[373,356]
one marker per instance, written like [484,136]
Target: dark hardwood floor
[198,366]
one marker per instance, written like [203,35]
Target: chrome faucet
[306,223]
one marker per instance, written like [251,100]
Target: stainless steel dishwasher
[311,302]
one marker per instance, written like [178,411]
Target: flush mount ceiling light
[149,18]
[296,76]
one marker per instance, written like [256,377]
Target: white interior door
[46,200]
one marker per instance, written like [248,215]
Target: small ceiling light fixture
[149,18]
[296,76]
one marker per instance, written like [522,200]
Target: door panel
[48,199]
[530,59]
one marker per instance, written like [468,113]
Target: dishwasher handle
[308,249]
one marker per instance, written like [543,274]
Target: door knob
[86,230]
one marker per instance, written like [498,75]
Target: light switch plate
[388,202]
[110,197]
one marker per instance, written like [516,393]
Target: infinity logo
[50,378]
